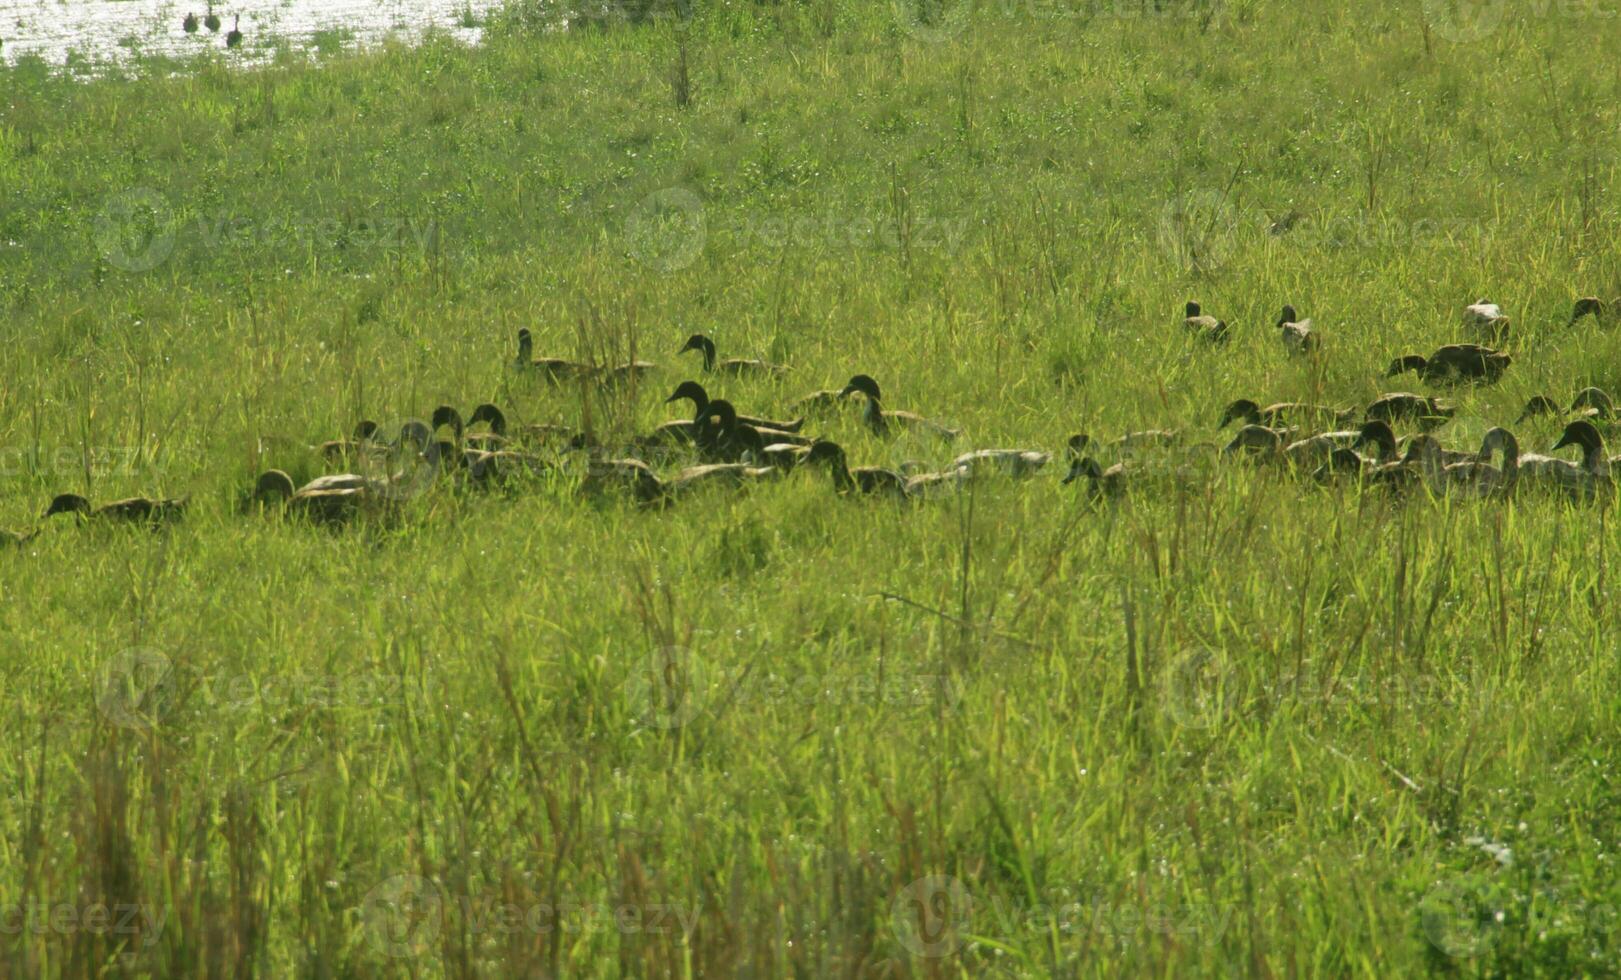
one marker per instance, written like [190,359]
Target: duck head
[1077,443]
[1595,400]
[1587,306]
[865,385]
[1192,308]
[1497,438]
[1584,434]
[447,415]
[1288,315]
[1378,433]
[365,430]
[690,390]
[1538,405]
[1083,466]
[417,433]
[1255,438]
[699,342]
[1409,362]
[490,414]
[271,485]
[526,344]
[67,503]
[824,451]
[1243,409]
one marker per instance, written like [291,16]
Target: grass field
[1236,724]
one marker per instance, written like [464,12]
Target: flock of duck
[211,20]
[720,445]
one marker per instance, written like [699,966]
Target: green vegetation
[1236,724]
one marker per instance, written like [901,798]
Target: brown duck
[1454,363]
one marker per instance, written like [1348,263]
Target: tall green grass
[1238,724]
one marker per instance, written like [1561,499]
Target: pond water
[91,33]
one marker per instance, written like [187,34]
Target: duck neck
[526,348]
[708,348]
[873,413]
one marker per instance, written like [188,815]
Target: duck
[326,499]
[1014,462]
[1298,336]
[1377,432]
[1587,306]
[866,480]
[1101,482]
[1589,478]
[1420,464]
[732,365]
[1478,476]
[1395,406]
[337,450]
[447,415]
[883,421]
[1260,441]
[132,510]
[16,539]
[647,488]
[1281,413]
[1487,318]
[234,38]
[1202,325]
[823,400]
[1593,403]
[784,455]
[1537,406]
[720,429]
[189,25]
[212,20]
[1454,362]
[488,467]
[487,413]
[557,370]
[1341,463]
[695,392]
